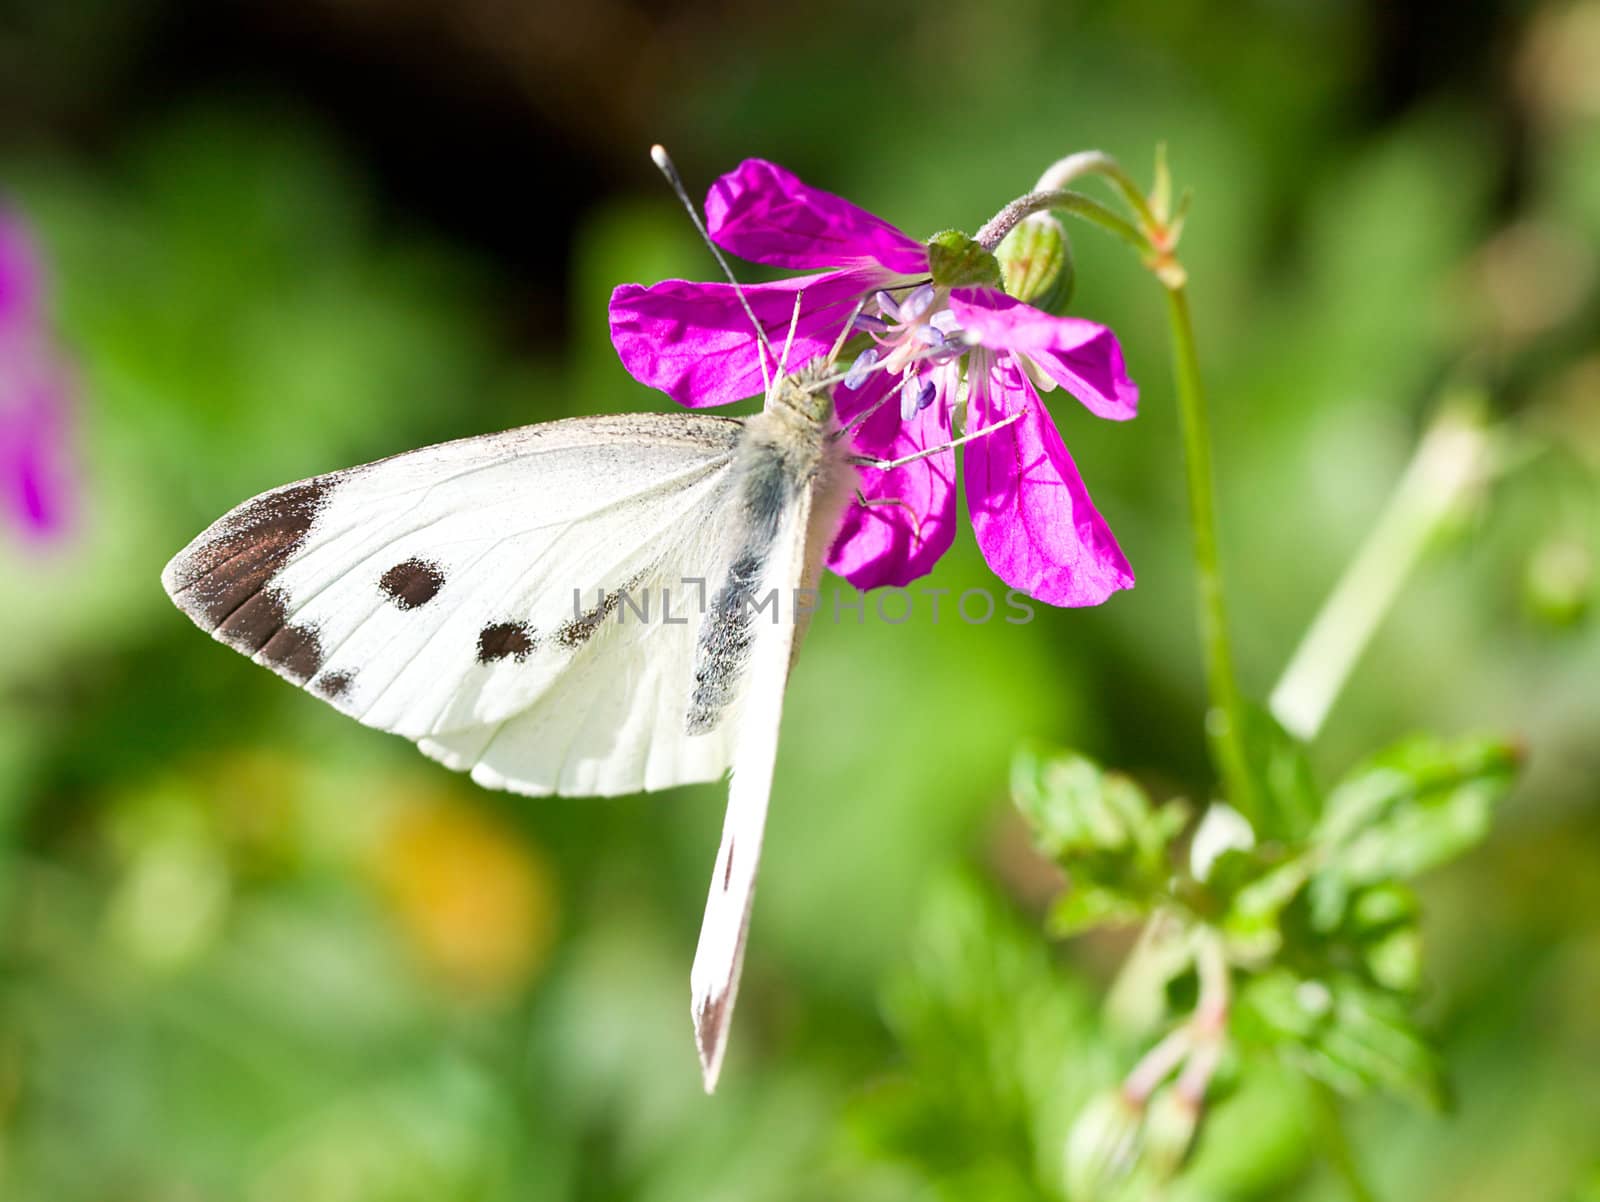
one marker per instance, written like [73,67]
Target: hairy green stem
[1097,162]
[1225,720]
[1153,238]
[1059,200]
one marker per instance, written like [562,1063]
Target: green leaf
[1086,905]
[1283,776]
[1102,828]
[1252,921]
[1346,1033]
[1075,807]
[1406,810]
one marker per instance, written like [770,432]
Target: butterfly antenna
[658,155]
[844,334]
[788,341]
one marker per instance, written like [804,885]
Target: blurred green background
[250,950]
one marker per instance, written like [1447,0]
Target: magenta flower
[35,488]
[1032,515]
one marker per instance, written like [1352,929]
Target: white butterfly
[594,606]
[526,606]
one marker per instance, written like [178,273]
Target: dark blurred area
[251,950]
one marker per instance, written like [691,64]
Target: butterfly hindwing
[483,597]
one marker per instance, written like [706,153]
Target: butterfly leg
[884,465]
[867,502]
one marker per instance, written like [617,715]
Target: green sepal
[956,261]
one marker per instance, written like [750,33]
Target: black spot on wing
[581,629]
[239,556]
[334,685]
[515,640]
[412,583]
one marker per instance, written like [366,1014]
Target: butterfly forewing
[483,597]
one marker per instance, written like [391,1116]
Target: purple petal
[1031,513]
[35,477]
[1081,356]
[696,344]
[893,545]
[21,283]
[768,215]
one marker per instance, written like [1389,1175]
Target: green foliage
[1102,825]
[999,1048]
[1341,1029]
[206,993]
[1308,948]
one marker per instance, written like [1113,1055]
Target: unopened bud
[1036,263]
[958,262]
[1102,1146]
[1559,581]
[1169,1128]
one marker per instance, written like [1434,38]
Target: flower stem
[1097,162]
[1154,238]
[1225,718]
[1453,455]
[1060,200]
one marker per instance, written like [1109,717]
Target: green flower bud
[1395,961]
[1102,1146]
[1036,263]
[959,262]
[1558,582]
[1169,1128]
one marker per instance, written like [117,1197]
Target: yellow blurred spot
[1557,68]
[471,896]
[1531,277]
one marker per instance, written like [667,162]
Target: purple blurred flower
[1031,513]
[35,480]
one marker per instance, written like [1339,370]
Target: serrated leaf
[1346,1033]
[1407,810]
[1102,828]
[1077,807]
[1251,923]
[1086,906]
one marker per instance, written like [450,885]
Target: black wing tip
[223,580]
[711,1036]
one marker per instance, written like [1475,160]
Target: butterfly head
[807,393]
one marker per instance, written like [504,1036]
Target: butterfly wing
[483,597]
